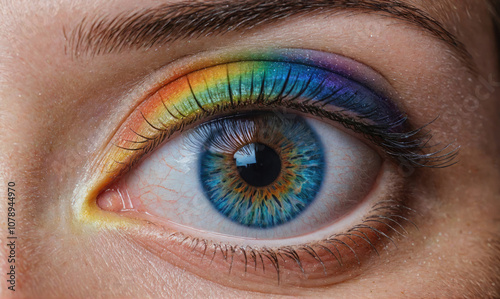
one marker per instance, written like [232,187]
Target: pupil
[258,164]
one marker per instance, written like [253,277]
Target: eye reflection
[258,164]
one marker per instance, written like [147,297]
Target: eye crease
[325,201]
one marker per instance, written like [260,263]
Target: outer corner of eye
[265,197]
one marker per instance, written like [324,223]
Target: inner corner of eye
[110,200]
[117,198]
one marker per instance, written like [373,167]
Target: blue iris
[261,170]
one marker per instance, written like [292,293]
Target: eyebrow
[166,23]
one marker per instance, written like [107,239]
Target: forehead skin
[48,112]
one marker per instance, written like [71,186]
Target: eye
[285,159]
[255,175]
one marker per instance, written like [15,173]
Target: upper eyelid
[186,64]
[311,53]
[183,66]
[247,55]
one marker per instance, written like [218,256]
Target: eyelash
[385,210]
[407,148]
[395,137]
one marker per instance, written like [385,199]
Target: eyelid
[343,67]
[180,66]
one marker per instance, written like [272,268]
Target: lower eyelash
[390,216]
[386,221]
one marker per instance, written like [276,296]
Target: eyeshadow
[321,82]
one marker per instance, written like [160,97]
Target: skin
[58,113]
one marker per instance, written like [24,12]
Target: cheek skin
[454,243]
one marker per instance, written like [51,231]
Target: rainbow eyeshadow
[313,82]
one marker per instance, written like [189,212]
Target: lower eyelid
[314,264]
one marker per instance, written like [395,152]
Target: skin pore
[62,100]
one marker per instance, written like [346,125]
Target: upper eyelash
[407,147]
